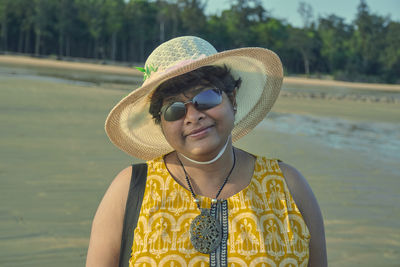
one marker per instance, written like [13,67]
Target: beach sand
[49,66]
[56,163]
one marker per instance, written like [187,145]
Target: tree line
[367,49]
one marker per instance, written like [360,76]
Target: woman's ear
[162,130]
[233,100]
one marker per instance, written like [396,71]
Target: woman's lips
[199,132]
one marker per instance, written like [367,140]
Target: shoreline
[333,83]
[24,61]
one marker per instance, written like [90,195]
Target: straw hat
[131,127]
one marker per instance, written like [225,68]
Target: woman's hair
[217,76]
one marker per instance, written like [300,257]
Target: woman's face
[199,135]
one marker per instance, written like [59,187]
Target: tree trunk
[141,45]
[20,40]
[102,49]
[174,27]
[89,52]
[123,52]
[132,50]
[68,47]
[141,48]
[162,31]
[114,46]
[96,49]
[37,43]
[306,62]
[4,31]
[60,44]
[27,41]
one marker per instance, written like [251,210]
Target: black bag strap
[133,205]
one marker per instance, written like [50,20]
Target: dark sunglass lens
[207,99]
[175,111]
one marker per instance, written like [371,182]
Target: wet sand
[56,163]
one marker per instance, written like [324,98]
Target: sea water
[374,139]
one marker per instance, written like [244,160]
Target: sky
[287,9]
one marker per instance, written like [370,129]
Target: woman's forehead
[186,94]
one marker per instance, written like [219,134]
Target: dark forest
[118,31]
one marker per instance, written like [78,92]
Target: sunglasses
[202,101]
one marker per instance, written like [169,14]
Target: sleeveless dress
[262,226]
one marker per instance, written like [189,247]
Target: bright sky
[287,9]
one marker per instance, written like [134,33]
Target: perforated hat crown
[129,124]
[176,53]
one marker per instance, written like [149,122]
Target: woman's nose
[192,114]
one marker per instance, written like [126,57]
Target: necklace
[212,160]
[205,230]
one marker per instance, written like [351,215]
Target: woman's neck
[205,179]
[222,161]
[218,156]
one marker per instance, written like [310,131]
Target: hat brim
[131,128]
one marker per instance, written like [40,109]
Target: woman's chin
[203,152]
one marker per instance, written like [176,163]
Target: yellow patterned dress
[262,225]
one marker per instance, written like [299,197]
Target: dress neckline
[256,162]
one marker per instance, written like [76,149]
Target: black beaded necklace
[205,230]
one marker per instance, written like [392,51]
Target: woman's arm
[308,206]
[105,238]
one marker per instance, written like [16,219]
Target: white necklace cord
[214,159]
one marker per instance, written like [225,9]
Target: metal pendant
[205,232]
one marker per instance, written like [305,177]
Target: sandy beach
[56,161]
[43,65]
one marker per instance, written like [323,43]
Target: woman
[205,201]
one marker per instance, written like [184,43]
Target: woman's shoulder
[291,174]
[296,182]
[119,187]
[120,184]
[305,200]
[122,178]
[108,221]
[114,199]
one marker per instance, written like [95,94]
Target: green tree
[143,31]
[4,6]
[305,40]
[390,57]
[43,18]
[217,32]
[271,34]
[24,12]
[306,13]
[335,35]
[302,41]
[192,17]
[112,10]
[66,25]
[168,18]
[128,30]
[91,13]
[367,42]
[6,9]
[242,16]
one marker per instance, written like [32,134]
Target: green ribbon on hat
[147,70]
